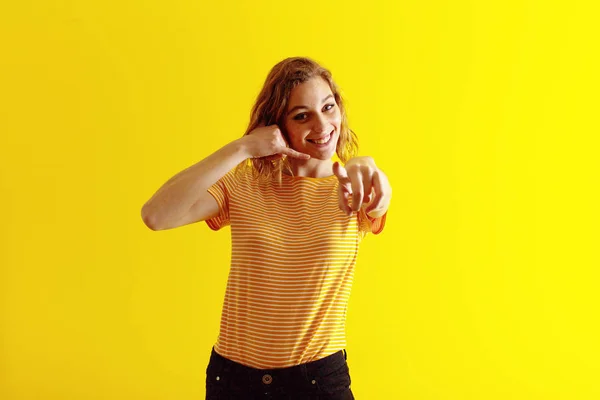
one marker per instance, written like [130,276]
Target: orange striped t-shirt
[292,265]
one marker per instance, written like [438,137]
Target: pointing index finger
[340,172]
[344,187]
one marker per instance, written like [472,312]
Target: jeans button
[267,379]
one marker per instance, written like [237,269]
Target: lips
[322,139]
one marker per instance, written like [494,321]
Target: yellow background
[484,114]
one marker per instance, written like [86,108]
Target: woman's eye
[300,117]
[329,107]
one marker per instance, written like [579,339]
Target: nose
[320,124]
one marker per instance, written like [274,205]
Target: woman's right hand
[268,142]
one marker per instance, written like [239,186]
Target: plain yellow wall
[484,114]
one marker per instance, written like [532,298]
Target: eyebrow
[297,107]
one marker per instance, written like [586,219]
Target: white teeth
[322,141]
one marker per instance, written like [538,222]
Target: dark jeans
[324,379]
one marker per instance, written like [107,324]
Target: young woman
[297,218]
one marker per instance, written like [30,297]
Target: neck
[312,168]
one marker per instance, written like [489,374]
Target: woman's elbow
[148,218]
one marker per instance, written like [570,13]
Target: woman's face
[313,119]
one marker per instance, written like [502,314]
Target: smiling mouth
[324,140]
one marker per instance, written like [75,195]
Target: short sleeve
[222,191]
[368,224]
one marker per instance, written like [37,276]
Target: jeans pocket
[336,382]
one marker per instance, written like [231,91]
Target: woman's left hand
[367,184]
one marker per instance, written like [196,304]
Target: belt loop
[345,354]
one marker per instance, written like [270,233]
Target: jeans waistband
[320,367]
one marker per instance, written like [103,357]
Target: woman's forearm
[175,197]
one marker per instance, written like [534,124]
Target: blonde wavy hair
[271,105]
